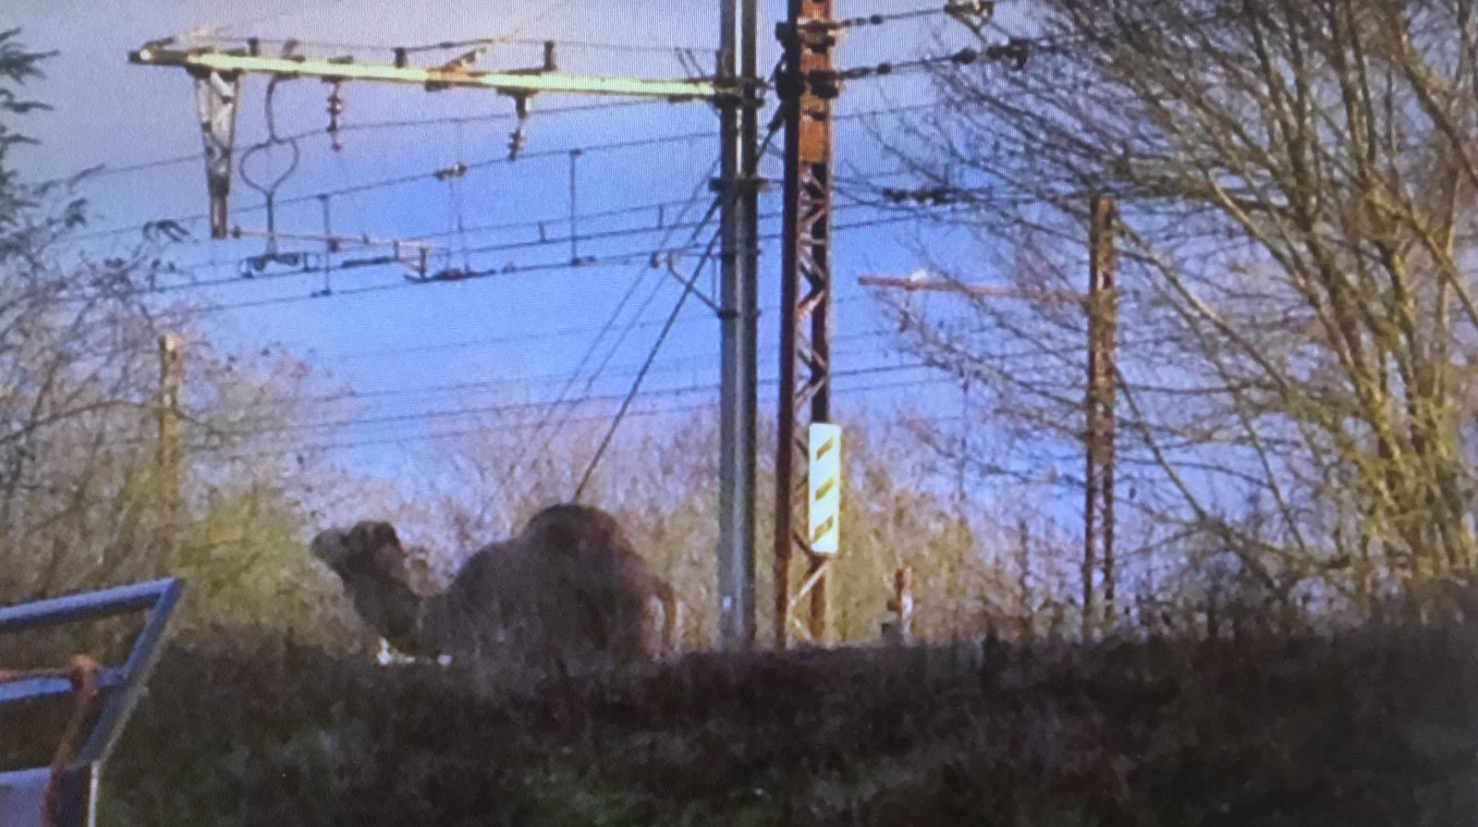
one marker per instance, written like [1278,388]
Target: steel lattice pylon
[808,86]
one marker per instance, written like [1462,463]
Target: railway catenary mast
[737,93]
[808,85]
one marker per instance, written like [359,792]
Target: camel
[569,591]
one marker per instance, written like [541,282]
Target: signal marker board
[824,481]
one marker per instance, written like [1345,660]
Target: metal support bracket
[217,95]
[432,77]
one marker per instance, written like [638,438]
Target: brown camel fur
[569,592]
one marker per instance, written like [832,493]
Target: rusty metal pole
[1098,514]
[1108,411]
[898,631]
[807,88]
[63,792]
[1024,582]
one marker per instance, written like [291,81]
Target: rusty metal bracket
[86,678]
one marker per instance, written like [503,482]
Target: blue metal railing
[121,686]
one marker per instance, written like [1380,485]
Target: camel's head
[574,529]
[370,547]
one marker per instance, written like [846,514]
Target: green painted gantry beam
[514,83]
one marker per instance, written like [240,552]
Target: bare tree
[86,498]
[76,349]
[1296,313]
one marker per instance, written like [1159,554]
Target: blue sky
[523,334]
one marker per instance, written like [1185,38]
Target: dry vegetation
[1374,727]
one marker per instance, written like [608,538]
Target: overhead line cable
[421,177]
[860,21]
[512,339]
[520,406]
[610,322]
[651,357]
[514,407]
[860,179]
[727,201]
[346,239]
[1044,44]
[103,171]
[511,270]
[641,311]
[430,176]
[659,206]
[592,45]
[625,371]
[508,269]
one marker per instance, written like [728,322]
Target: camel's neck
[411,623]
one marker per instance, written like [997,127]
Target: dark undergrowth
[1376,727]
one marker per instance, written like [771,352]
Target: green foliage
[17,65]
[72,493]
[246,564]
